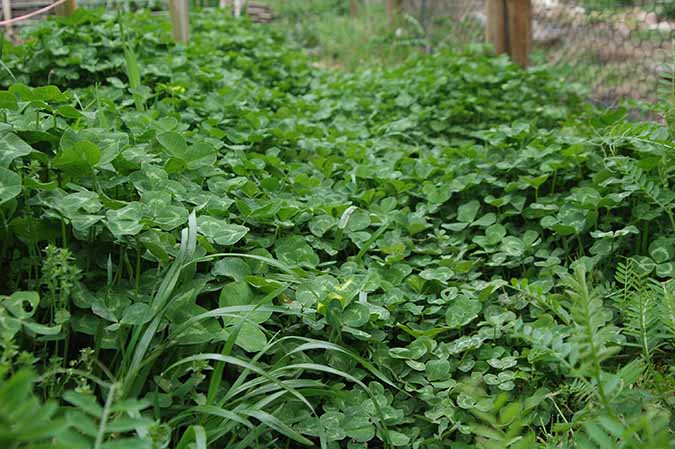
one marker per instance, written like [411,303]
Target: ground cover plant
[217,245]
[611,50]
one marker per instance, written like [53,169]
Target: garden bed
[219,245]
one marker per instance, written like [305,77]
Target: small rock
[665,27]
[650,18]
[547,3]
[577,10]
[623,29]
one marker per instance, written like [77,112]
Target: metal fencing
[616,49]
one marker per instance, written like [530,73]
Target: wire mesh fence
[616,49]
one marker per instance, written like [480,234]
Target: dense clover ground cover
[221,246]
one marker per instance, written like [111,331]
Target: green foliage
[25,423]
[591,336]
[327,30]
[216,245]
[639,307]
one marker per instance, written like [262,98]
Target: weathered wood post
[520,30]
[7,15]
[495,26]
[353,7]
[66,8]
[509,28]
[394,8]
[238,7]
[179,20]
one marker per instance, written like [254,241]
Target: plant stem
[104,418]
[64,237]
[138,269]
[581,244]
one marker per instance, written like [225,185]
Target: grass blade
[276,424]
[195,434]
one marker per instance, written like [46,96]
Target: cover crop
[220,246]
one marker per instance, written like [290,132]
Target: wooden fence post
[353,7]
[520,30]
[509,28]
[238,7]
[66,8]
[495,26]
[179,20]
[7,15]
[394,8]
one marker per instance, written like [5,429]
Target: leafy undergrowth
[218,246]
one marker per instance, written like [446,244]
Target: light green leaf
[356,315]
[12,147]
[239,293]
[220,231]
[462,311]
[358,220]
[320,224]
[125,221]
[294,250]
[512,246]
[413,351]
[200,155]
[644,264]
[170,217]
[494,234]
[398,438]
[77,158]
[73,204]
[437,370]
[441,274]
[359,428]
[21,304]
[467,212]
[174,144]
[10,185]
[136,314]
[41,329]
[251,338]
[666,270]
[486,220]
[231,267]
[332,424]
[158,244]
[8,100]
[235,294]
[49,93]
[662,250]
